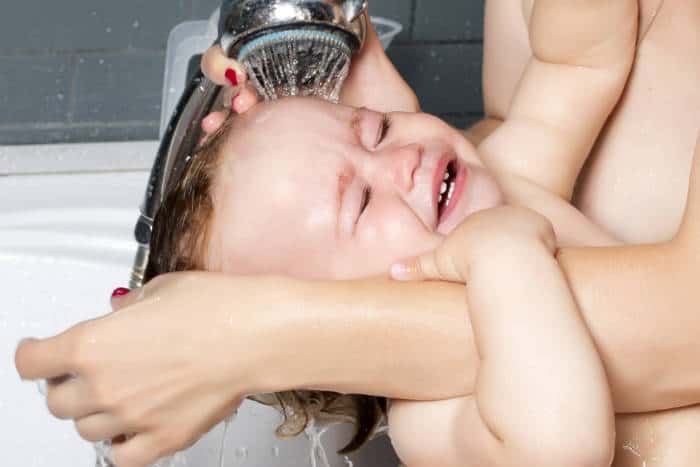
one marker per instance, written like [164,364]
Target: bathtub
[66,219]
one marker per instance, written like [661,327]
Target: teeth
[446,176]
[443,188]
[449,194]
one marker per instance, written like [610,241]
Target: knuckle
[127,415]
[103,398]
[78,350]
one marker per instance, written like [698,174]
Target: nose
[398,165]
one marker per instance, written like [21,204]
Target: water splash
[317,452]
[105,457]
[302,63]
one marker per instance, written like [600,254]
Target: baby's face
[312,189]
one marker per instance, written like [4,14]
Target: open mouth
[447,188]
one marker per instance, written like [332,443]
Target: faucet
[241,22]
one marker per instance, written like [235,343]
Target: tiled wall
[92,70]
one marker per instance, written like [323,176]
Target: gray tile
[397,10]
[202,9]
[66,133]
[34,89]
[119,87]
[461,121]
[446,78]
[452,20]
[90,24]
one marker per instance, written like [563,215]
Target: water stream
[311,65]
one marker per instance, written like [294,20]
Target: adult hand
[373,82]
[155,370]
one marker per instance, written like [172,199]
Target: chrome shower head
[295,47]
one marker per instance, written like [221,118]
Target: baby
[356,190]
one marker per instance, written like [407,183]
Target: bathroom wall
[92,70]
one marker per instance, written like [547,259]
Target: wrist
[253,325]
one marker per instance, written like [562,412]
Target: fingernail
[120,292]
[231,76]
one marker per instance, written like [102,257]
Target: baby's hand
[484,236]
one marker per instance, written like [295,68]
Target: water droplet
[102,61]
[275,451]
[136,24]
[60,97]
[108,30]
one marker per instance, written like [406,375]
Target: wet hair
[179,243]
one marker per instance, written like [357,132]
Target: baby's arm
[541,396]
[582,53]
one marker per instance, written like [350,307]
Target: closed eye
[366,197]
[386,125]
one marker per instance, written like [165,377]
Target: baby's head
[311,189]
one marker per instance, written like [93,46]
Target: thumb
[419,268]
[122,298]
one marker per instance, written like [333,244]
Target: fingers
[213,122]
[221,69]
[245,100]
[45,358]
[140,451]
[69,400]
[98,427]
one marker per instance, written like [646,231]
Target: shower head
[295,47]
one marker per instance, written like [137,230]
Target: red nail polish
[120,292]
[231,76]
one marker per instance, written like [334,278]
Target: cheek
[393,232]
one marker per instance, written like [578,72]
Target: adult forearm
[379,337]
[414,340]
